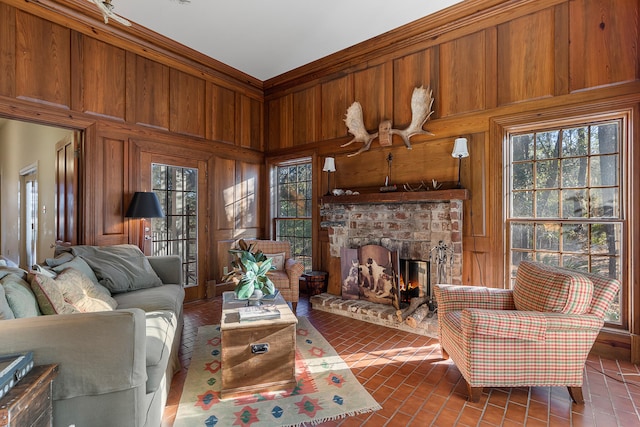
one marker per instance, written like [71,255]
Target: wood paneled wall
[484,60]
[136,102]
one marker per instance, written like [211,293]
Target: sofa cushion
[543,288]
[21,299]
[49,295]
[120,268]
[5,310]
[166,297]
[161,328]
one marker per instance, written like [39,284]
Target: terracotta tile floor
[415,387]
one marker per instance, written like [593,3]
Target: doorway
[28,216]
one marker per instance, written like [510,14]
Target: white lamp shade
[460,149]
[329,164]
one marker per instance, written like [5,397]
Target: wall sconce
[144,205]
[329,166]
[460,150]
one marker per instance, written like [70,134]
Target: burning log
[417,316]
[413,305]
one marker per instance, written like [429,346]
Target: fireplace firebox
[415,279]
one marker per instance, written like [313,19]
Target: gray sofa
[115,366]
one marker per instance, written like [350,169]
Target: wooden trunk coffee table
[258,355]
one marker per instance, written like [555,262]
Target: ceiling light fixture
[106,8]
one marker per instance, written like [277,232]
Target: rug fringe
[335,417]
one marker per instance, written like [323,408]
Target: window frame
[533,123]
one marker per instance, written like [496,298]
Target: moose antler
[355,126]
[421,103]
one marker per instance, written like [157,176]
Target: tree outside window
[564,200]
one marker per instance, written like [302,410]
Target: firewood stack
[417,312]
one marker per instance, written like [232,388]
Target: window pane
[547,174]
[604,170]
[604,239]
[574,204]
[548,237]
[522,147]
[522,236]
[523,204]
[604,203]
[574,172]
[575,237]
[522,176]
[547,145]
[574,142]
[547,205]
[604,139]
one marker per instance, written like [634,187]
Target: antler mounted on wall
[421,103]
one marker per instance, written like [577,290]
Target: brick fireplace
[411,223]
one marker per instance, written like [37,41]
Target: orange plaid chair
[538,334]
[286,278]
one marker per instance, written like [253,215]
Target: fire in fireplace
[415,279]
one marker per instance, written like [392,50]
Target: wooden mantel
[399,197]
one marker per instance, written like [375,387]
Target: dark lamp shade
[144,205]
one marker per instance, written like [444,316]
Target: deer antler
[421,103]
[355,126]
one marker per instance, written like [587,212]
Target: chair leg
[445,355]
[576,394]
[474,393]
[294,306]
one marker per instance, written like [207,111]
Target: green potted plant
[249,272]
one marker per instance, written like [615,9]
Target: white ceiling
[267,38]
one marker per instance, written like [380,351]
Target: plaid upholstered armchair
[286,276]
[538,334]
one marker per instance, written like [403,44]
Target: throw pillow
[49,296]
[5,309]
[81,293]
[119,268]
[277,260]
[59,259]
[19,296]
[79,264]
[47,271]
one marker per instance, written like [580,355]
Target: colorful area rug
[326,388]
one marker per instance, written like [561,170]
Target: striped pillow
[543,288]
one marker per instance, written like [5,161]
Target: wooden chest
[29,403]
[259,355]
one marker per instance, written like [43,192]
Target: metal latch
[259,348]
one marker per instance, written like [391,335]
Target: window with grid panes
[292,221]
[564,204]
[177,233]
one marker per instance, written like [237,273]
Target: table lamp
[144,204]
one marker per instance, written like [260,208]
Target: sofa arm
[168,268]
[96,353]
[457,297]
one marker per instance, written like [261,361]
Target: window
[564,204]
[293,207]
[177,232]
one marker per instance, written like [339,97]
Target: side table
[29,403]
[316,282]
